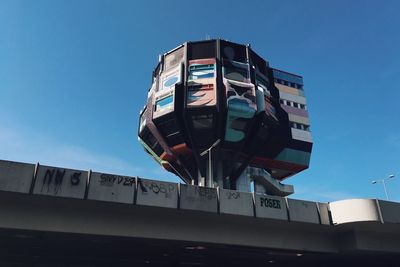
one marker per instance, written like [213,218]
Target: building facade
[215,108]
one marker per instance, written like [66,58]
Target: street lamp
[383,181]
[210,178]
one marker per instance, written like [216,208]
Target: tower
[218,115]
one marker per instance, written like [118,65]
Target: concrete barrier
[270,207]
[324,213]
[390,211]
[111,187]
[16,176]
[157,193]
[235,202]
[198,198]
[303,211]
[354,210]
[60,182]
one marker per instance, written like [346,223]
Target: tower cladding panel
[218,105]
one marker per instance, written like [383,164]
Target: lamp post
[210,170]
[383,181]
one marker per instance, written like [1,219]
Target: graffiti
[199,94]
[55,178]
[75,178]
[156,188]
[205,192]
[270,203]
[233,195]
[58,176]
[110,179]
[241,108]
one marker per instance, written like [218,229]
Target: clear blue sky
[74,76]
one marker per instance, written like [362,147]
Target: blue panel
[171,81]
[294,156]
[200,71]
[287,77]
[164,103]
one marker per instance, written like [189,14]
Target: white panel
[294,98]
[301,135]
[299,119]
[111,187]
[16,176]
[60,182]
[354,210]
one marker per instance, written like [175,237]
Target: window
[202,121]
[235,74]
[142,120]
[299,126]
[164,103]
[168,81]
[236,71]
[262,85]
[200,71]
[302,106]
[174,58]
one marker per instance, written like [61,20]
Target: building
[218,115]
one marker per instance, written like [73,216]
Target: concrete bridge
[51,216]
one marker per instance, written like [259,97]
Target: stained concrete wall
[60,182]
[71,183]
[16,176]
[303,211]
[157,193]
[235,202]
[270,207]
[324,213]
[390,211]
[198,198]
[111,187]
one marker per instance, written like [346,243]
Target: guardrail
[95,186]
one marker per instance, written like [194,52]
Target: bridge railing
[36,179]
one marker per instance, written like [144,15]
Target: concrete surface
[303,211]
[157,193]
[198,198]
[16,176]
[235,202]
[270,207]
[111,187]
[60,182]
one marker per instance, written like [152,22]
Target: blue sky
[75,74]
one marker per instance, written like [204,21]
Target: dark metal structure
[217,114]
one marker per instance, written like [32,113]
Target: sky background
[75,74]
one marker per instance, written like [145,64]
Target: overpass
[51,216]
